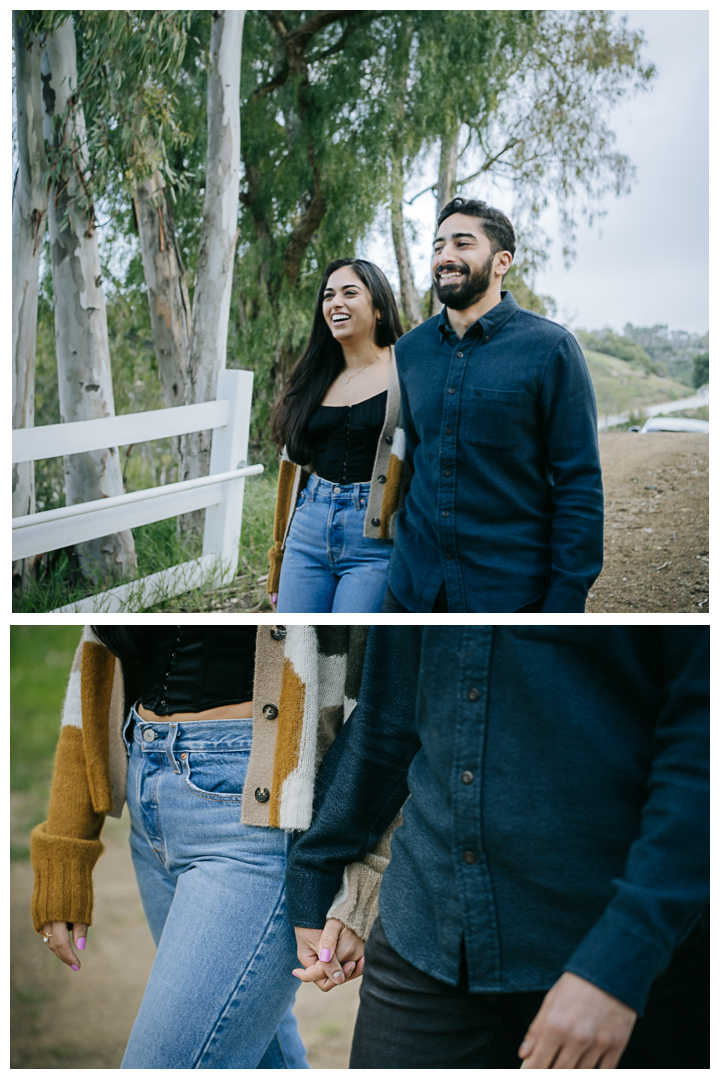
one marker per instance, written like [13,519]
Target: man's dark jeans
[408,1020]
[392,605]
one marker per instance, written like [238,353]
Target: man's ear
[502,263]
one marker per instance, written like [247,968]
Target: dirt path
[656,524]
[81,1020]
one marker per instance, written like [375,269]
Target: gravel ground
[63,1019]
[656,524]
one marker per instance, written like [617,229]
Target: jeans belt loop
[172,735]
[356,496]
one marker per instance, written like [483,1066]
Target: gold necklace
[349,377]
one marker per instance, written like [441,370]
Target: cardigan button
[382,479]
[278,633]
[270,711]
[389,440]
[262,794]
[376,522]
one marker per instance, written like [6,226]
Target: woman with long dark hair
[212,734]
[341,473]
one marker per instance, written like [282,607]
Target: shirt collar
[487,326]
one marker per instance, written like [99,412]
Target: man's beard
[464,295]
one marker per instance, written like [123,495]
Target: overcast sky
[646,262]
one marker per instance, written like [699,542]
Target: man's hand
[341,948]
[578,1026]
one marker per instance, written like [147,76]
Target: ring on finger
[46,937]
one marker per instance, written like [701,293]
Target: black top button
[270,711]
[278,633]
[469,857]
[473,693]
[262,794]
[382,479]
[376,522]
[467,777]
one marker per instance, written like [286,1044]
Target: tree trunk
[213,281]
[446,188]
[28,231]
[408,293]
[166,284]
[83,354]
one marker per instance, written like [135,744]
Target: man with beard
[505,510]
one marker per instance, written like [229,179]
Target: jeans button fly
[336,490]
[148,735]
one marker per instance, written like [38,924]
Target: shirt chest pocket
[496,418]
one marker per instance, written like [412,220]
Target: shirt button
[336,490]
[451,390]
[148,734]
[446,513]
[460,354]
[448,472]
[382,479]
[278,633]
[467,777]
[448,431]
[469,857]
[270,711]
[262,794]
[473,693]
[448,554]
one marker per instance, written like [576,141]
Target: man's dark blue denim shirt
[558,817]
[505,503]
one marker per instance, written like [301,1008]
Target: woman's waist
[323,488]
[235,711]
[170,732]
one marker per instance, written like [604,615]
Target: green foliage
[701,369]
[40,659]
[605,341]
[621,387]
[672,352]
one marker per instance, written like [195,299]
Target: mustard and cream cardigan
[388,484]
[311,674]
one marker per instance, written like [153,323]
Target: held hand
[59,942]
[578,1026]
[341,949]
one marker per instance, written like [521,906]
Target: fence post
[223,521]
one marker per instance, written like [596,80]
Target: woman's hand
[273,601]
[330,956]
[60,944]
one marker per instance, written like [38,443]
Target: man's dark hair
[495,225]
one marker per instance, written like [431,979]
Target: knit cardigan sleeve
[356,902]
[290,478]
[65,848]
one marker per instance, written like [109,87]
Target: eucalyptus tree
[28,231]
[83,355]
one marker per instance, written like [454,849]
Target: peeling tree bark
[83,354]
[28,232]
[167,290]
[408,293]
[213,281]
[446,188]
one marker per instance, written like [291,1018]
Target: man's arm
[570,423]
[361,785]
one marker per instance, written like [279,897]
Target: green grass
[158,548]
[620,387]
[40,659]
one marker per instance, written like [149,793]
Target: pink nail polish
[325,955]
[74,967]
[81,943]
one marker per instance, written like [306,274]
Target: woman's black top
[188,668]
[345,438]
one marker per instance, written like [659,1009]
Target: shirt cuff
[616,958]
[309,897]
[559,599]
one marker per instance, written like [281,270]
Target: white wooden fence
[221,492]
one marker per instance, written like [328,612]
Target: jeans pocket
[218,775]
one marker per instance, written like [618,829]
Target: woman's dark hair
[322,361]
[129,643]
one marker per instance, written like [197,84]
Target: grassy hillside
[619,387]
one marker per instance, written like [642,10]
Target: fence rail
[220,493]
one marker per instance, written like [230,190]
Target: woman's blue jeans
[220,992]
[328,564]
